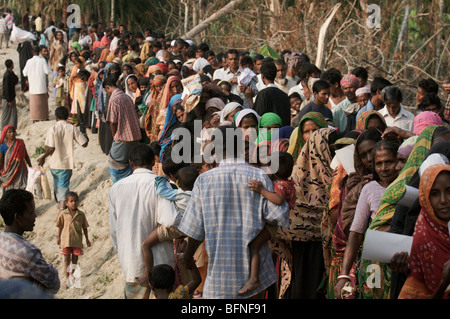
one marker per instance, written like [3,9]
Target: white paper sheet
[381,246]
[345,157]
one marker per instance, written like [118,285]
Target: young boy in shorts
[71,223]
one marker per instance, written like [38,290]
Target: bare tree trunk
[402,31]
[274,14]
[439,37]
[113,10]
[306,28]
[322,41]
[210,20]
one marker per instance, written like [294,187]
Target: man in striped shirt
[124,122]
[228,216]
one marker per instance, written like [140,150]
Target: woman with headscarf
[77,90]
[388,204]
[154,119]
[69,63]
[308,123]
[302,250]
[430,248]
[344,201]
[268,122]
[13,160]
[131,87]
[371,120]
[141,70]
[405,217]
[170,123]
[228,112]
[25,53]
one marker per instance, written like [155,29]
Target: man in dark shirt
[321,91]
[9,109]
[271,98]
[26,20]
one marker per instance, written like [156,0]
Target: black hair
[110,81]
[203,47]
[258,57]
[142,155]
[280,62]
[155,147]
[439,131]
[372,135]
[72,194]
[430,99]
[162,276]
[285,164]
[307,69]
[378,84]
[295,94]
[232,51]
[392,93]
[389,145]
[332,76]
[250,116]
[9,63]
[186,177]
[269,70]
[14,201]
[246,60]
[320,85]
[169,167]
[62,113]
[429,85]
[361,72]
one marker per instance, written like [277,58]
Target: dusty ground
[101,275]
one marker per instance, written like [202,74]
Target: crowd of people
[224,222]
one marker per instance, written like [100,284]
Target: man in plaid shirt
[228,216]
[124,122]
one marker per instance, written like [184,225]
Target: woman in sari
[155,116]
[170,123]
[308,123]
[300,247]
[388,204]
[13,160]
[430,248]
[131,87]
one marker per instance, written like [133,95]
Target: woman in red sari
[13,160]
[430,251]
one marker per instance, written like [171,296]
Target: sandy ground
[101,275]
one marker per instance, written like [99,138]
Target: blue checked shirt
[227,215]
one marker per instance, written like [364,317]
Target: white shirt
[403,120]
[227,75]
[113,44]
[37,70]
[61,137]
[135,210]
[48,32]
[286,86]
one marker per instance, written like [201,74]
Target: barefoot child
[71,223]
[284,190]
